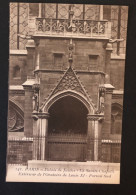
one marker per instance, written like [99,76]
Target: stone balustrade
[66,27]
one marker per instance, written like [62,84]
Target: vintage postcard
[66,86]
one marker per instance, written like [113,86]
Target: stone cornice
[109,88]
[42,35]
[28,84]
[117,94]
[16,89]
[77,71]
[18,52]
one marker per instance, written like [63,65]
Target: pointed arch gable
[71,93]
[70,85]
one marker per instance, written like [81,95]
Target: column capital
[35,115]
[95,117]
[43,115]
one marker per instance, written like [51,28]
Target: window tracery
[15,120]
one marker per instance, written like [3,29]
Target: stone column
[107,111]
[107,62]
[42,134]
[37,60]
[94,137]
[90,138]
[40,10]
[30,46]
[28,109]
[101,12]
[28,122]
[35,135]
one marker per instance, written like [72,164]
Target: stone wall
[17,60]
[19,152]
[91,75]
[117,73]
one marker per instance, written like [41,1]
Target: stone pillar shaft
[90,144]
[107,62]
[28,121]
[107,111]
[35,137]
[96,141]
[94,137]
[40,132]
[30,46]
[101,12]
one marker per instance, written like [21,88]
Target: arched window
[15,118]
[116,119]
[16,72]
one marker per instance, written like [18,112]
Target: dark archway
[68,115]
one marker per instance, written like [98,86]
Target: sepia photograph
[66,88]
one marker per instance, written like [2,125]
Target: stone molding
[40,115]
[69,36]
[52,100]
[95,117]
[18,52]
[43,115]
[63,71]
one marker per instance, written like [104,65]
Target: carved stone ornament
[69,82]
